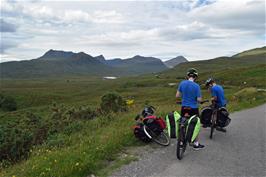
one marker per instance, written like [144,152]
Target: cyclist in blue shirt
[217,93]
[190,93]
[218,98]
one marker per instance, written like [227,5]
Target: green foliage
[17,138]
[112,102]
[7,103]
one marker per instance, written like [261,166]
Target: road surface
[239,152]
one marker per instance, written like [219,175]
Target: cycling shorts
[189,110]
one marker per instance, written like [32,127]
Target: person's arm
[179,91]
[178,94]
[214,98]
[214,94]
[199,98]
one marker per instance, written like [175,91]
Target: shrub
[112,102]
[18,137]
[84,113]
[7,103]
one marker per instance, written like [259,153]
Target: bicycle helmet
[209,81]
[147,111]
[192,72]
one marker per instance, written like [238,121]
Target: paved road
[239,152]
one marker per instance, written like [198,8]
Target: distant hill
[137,64]
[56,55]
[100,58]
[256,51]
[175,61]
[56,63]
[244,59]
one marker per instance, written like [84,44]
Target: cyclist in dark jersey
[190,93]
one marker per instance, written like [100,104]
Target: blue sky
[196,29]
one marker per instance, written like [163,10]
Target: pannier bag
[140,134]
[193,128]
[223,119]
[161,122]
[206,115]
[155,124]
[172,121]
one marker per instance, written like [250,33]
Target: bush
[84,113]
[112,102]
[18,137]
[7,103]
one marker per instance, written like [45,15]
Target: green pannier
[172,120]
[193,128]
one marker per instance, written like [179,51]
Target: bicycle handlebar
[204,101]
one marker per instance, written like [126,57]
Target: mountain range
[56,63]
[61,63]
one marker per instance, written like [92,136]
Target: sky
[195,29]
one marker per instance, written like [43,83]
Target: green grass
[95,145]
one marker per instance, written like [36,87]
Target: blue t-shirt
[190,92]
[218,91]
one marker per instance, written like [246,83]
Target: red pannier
[140,134]
[158,121]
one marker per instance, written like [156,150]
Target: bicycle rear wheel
[181,144]
[160,138]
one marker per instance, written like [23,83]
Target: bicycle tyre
[180,149]
[161,139]
[212,124]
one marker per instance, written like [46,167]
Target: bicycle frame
[181,141]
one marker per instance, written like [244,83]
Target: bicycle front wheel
[161,138]
[181,144]
[213,122]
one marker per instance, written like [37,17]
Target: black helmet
[192,72]
[148,111]
[209,81]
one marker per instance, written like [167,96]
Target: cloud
[107,17]
[42,13]
[6,27]
[196,29]
[5,45]
[243,15]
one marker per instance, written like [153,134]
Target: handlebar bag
[193,128]
[172,120]
[206,115]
